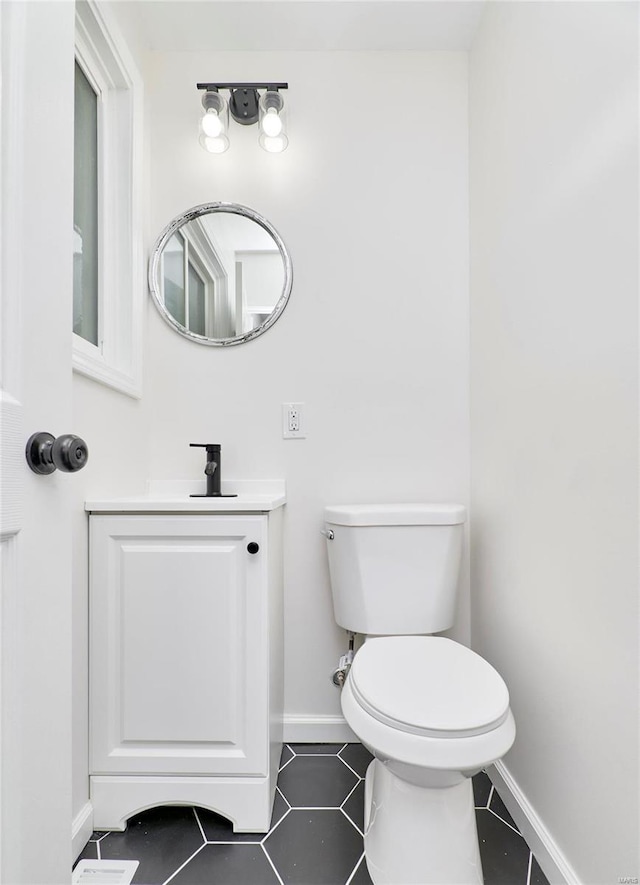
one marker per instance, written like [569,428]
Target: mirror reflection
[220,274]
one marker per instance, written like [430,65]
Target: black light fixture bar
[212,86]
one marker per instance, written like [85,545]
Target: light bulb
[271,123]
[214,124]
[273,144]
[217,145]
[211,124]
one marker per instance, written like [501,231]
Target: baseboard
[554,864]
[317,730]
[81,829]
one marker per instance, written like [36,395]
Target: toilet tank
[394,567]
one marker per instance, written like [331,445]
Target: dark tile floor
[315,836]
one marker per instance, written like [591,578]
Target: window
[85,210]
[107,259]
[188,288]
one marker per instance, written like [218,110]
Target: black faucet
[212,470]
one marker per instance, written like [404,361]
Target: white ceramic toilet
[432,712]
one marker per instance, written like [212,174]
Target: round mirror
[220,274]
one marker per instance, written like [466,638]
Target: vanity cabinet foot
[246,802]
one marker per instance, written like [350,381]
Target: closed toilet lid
[428,685]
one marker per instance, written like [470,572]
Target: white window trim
[208,250]
[105,59]
[194,260]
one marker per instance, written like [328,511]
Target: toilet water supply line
[342,671]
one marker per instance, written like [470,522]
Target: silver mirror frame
[184,218]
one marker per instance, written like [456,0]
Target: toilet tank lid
[395,514]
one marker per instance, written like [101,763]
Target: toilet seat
[428,686]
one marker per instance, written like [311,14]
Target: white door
[36,217]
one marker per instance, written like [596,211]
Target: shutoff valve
[341,672]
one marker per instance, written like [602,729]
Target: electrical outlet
[293,426]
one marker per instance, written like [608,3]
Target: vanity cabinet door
[179,645]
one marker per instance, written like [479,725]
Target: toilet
[431,711]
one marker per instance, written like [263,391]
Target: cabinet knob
[253,547]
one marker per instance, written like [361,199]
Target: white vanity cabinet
[186,653]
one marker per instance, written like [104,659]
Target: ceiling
[303,25]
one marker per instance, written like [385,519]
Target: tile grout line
[320,755]
[350,793]
[356,868]
[276,825]
[353,823]
[287,763]
[204,838]
[104,836]
[293,756]
[502,820]
[182,866]
[273,866]
[315,808]
[337,752]
[232,842]
[350,768]
[274,828]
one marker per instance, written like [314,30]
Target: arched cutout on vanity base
[210,808]
[245,802]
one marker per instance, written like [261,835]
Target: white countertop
[253,496]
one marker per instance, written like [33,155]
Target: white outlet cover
[287,432]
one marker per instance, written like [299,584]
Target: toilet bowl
[431,711]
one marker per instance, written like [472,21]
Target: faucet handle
[212,448]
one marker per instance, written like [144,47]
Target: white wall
[374,340]
[554,281]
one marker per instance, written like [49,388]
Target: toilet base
[419,835]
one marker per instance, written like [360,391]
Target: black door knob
[70,453]
[45,453]
[253,547]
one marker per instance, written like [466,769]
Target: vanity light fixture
[247,107]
